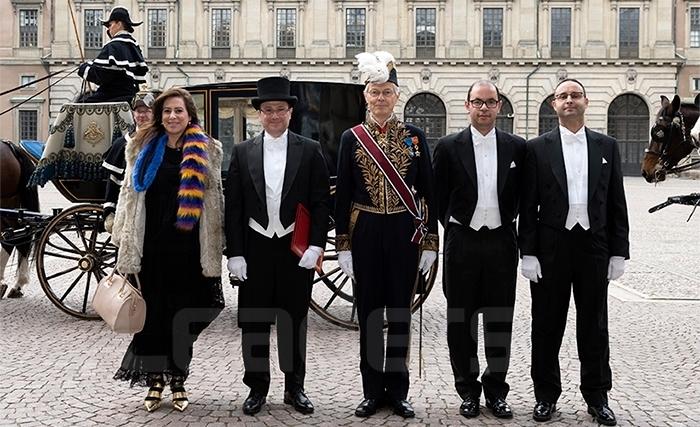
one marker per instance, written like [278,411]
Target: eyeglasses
[275,112]
[564,96]
[478,103]
[386,93]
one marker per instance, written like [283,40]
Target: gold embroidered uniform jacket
[361,185]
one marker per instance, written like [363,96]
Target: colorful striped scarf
[193,170]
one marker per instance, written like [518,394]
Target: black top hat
[273,89]
[121,14]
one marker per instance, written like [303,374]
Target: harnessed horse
[15,169]
[671,139]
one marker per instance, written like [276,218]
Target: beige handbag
[120,304]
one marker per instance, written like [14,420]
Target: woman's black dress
[180,301]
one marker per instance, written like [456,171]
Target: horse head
[671,139]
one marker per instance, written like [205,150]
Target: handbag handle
[138,282]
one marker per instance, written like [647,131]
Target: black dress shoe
[368,407]
[299,400]
[403,408]
[543,411]
[469,407]
[253,403]
[602,414]
[500,408]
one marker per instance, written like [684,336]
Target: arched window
[427,112]
[628,122]
[548,117]
[504,120]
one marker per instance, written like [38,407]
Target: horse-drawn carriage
[73,251]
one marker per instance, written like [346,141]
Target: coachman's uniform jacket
[119,69]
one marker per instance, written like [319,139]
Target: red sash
[394,177]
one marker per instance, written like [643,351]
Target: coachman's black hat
[273,89]
[121,14]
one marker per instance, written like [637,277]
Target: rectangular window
[157,31]
[221,33]
[286,33]
[696,84]
[493,32]
[27,124]
[24,79]
[93,32]
[561,32]
[28,27]
[695,27]
[629,32]
[354,32]
[425,33]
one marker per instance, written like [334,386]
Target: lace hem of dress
[145,379]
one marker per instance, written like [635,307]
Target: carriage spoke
[70,243]
[72,285]
[61,273]
[80,232]
[354,310]
[57,255]
[87,291]
[336,292]
[326,275]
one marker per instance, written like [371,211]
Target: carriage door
[233,116]
[628,122]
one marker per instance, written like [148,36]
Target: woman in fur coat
[168,227]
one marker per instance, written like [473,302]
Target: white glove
[530,268]
[427,258]
[310,257]
[616,267]
[109,223]
[345,263]
[238,267]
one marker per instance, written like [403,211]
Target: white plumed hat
[378,67]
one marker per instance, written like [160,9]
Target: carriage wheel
[72,255]
[332,294]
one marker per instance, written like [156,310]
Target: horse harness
[664,139]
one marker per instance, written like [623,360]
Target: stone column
[441,29]
[236,29]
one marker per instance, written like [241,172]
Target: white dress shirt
[274,163]
[487,212]
[574,146]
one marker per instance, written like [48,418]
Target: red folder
[302,234]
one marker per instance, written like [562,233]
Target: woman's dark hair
[153,129]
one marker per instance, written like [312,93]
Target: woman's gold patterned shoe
[180,401]
[154,396]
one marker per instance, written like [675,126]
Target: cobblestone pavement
[57,370]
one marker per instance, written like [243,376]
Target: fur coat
[130,218]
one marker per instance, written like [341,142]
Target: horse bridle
[662,136]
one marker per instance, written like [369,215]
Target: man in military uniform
[385,223]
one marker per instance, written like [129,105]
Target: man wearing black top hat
[386,230]
[269,176]
[119,68]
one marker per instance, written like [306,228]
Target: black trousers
[277,290]
[385,262]
[575,259]
[479,275]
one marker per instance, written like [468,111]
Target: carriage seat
[32,148]
[78,139]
